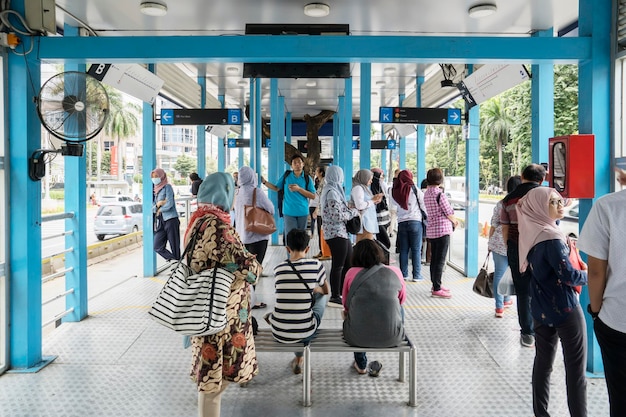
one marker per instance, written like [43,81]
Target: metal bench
[331,340]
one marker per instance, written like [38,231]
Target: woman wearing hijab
[227,356]
[410,205]
[335,212]
[166,224]
[365,202]
[256,243]
[378,186]
[554,305]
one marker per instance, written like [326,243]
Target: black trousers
[341,252]
[613,347]
[439,251]
[521,281]
[168,232]
[258,248]
[382,236]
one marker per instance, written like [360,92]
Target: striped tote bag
[194,304]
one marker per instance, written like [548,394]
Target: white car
[108,199]
[118,218]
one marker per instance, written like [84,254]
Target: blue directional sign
[454,116]
[200,116]
[167,117]
[355,144]
[238,143]
[420,115]
[391,144]
[232,143]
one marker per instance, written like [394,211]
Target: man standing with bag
[532,176]
[298,189]
[602,240]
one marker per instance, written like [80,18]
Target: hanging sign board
[420,115]
[490,80]
[132,79]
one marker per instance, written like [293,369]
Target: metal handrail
[56,274]
[58,316]
[56,297]
[67,233]
[60,216]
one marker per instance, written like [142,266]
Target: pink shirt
[351,274]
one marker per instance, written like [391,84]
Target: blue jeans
[521,281]
[501,262]
[294,222]
[319,306]
[410,239]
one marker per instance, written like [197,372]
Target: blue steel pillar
[201,135]
[24,264]
[148,164]
[421,134]
[594,111]
[276,142]
[365,123]
[346,142]
[339,154]
[472,152]
[221,144]
[76,202]
[402,142]
[542,107]
[255,146]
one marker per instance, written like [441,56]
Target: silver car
[118,219]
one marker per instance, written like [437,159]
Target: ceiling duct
[297,70]
[178,86]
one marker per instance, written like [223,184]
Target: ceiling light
[389,70]
[317,10]
[482,10]
[311,102]
[151,8]
[380,83]
[242,83]
[311,83]
[232,69]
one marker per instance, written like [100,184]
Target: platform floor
[118,362]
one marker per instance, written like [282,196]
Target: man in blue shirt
[298,190]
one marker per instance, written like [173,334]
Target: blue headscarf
[333,185]
[217,189]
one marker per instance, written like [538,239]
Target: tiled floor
[118,362]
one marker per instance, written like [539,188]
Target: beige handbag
[257,220]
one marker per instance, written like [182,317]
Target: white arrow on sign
[167,116]
[454,116]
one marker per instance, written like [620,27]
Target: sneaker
[407,278]
[508,303]
[418,279]
[359,370]
[527,340]
[442,288]
[499,313]
[296,366]
[335,302]
[440,294]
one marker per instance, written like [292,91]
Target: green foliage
[138,178]
[57,194]
[105,164]
[185,165]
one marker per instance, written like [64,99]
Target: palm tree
[496,123]
[123,123]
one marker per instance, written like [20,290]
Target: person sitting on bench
[301,295]
[373,294]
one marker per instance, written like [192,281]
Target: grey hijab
[247,177]
[363,177]
[333,186]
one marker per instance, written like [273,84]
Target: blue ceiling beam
[332,49]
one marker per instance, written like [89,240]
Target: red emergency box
[571,165]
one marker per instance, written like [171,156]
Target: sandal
[375,368]
[259,305]
[359,370]
[296,366]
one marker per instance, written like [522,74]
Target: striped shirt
[293,319]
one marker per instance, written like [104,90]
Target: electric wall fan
[73,106]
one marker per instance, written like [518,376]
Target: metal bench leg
[401,369]
[306,381]
[413,377]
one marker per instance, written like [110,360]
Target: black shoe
[375,368]
[335,302]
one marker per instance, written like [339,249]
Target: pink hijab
[161,174]
[534,222]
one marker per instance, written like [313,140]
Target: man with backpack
[297,189]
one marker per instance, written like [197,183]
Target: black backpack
[281,191]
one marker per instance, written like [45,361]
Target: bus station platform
[118,362]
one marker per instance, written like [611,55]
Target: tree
[497,124]
[185,165]
[122,123]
